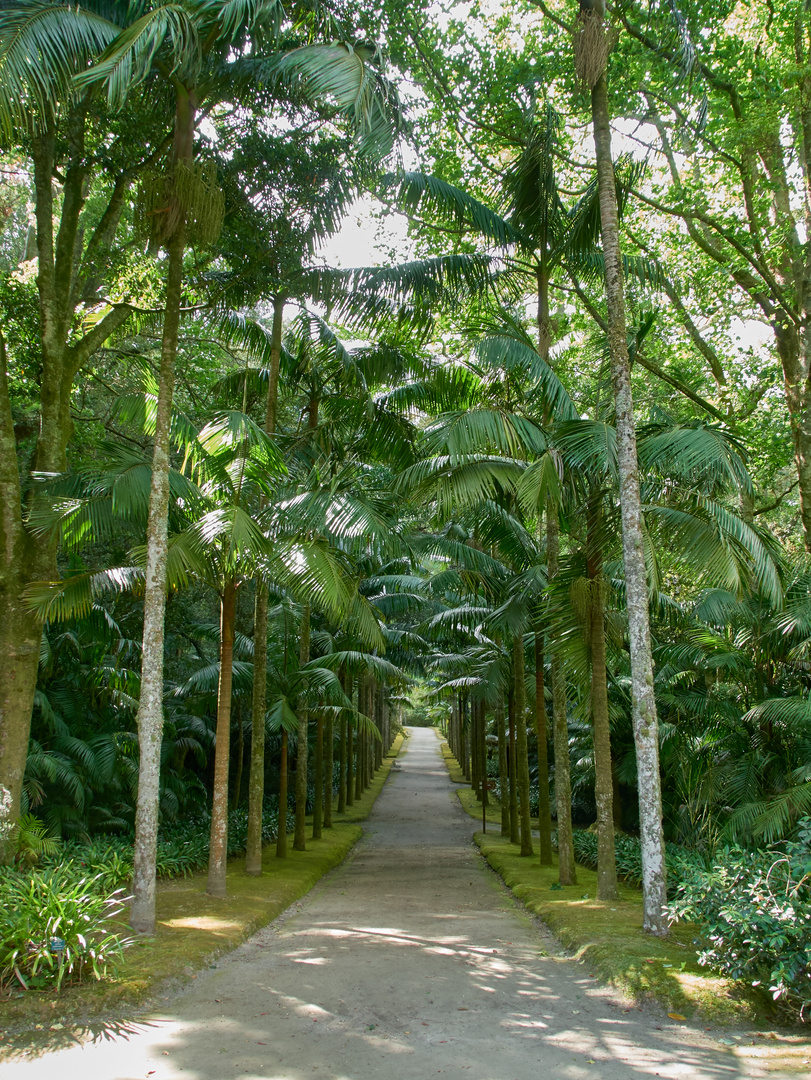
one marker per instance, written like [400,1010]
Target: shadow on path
[408,961]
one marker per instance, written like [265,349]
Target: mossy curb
[452,765]
[193,930]
[608,937]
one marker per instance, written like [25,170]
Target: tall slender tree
[592,48]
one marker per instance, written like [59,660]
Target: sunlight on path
[410,961]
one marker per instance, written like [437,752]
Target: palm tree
[186,45]
[592,51]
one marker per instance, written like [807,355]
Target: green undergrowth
[608,937]
[193,930]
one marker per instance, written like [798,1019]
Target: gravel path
[409,961]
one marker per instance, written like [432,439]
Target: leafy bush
[54,928]
[753,912]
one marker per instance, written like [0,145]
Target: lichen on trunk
[645,722]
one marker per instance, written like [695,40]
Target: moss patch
[453,766]
[608,937]
[193,930]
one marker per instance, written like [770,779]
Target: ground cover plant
[58,926]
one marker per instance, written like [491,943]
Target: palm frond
[43,45]
[125,63]
[417,192]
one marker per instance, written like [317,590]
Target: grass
[193,929]
[608,937]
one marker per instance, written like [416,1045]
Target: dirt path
[410,961]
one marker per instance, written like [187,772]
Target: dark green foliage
[182,848]
[753,912]
[679,860]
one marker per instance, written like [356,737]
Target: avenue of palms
[542,483]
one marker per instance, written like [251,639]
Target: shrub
[55,928]
[753,913]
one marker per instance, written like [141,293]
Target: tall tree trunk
[601,730]
[359,739]
[299,836]
[342,765]
[240,758]
[360,764]
[544,807]
[521,744]
[513,770]
[20,631]
[563,783]
[329,762]
[503,775]
[483,751]
[281,832]
[350,763]
[318,808]
[475,779]
[218,844]
[646,729]
[150,706]
[380,698]
[256,783]
[465,728]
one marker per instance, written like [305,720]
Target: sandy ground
[410,960]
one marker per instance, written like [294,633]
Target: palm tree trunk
[465,725]
[483,752]
[281,832]
[521,744]
[475,783]
[350,753]
[514,825]
[329,760]
[603,782]
[646,727]
[256,783]
[360,742]
[503,775]
[544,808]
[380,698]
[342,765]
[150,705]
[240,758]
[563,782]
[299,837]
[218,844]
[318,808]
[256,780]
